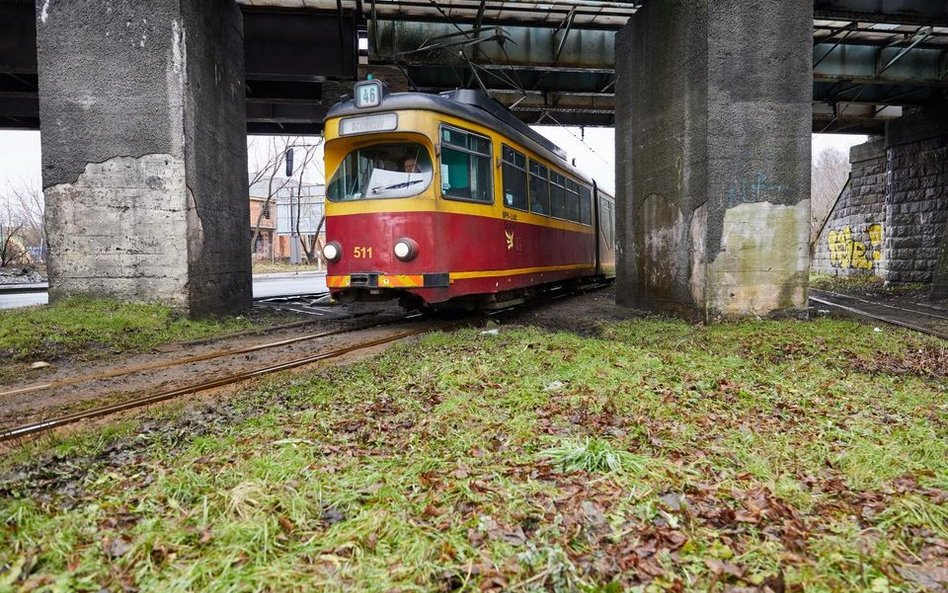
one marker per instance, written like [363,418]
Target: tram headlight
[332,251]
[405,249]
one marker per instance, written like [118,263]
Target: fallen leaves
[931,578]
[927,360]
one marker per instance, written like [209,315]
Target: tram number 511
[362,252]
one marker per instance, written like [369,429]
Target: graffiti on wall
[848,253]
[758,188]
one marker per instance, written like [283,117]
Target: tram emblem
[510,239]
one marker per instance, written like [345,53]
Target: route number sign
[368,94]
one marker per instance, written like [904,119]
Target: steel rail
[195,358]
[875,304]
[22,288]
[53,423]
[882,318]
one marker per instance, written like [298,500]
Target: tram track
[49,424]
[46,425]
[908,318]
[72,381]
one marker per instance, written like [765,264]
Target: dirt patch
[74,386]
[583,315]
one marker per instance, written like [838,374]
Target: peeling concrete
[727,142]
[144,151]
[662,231]
[699,276]
[763,247]
[119,243]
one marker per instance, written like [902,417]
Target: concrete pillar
[916,194]
[144,151]
[713,157]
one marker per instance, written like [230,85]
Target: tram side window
[607,223]
[539,189]
[558,195]
[585,205]
[515,179]
[572,200]
[465,166]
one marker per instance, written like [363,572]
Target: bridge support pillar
[713,157]
[916,209]
[144,151]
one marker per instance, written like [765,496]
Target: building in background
[286,213]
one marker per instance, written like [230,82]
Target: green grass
[264,267]
[91,328]
[594,455]
[863,285]
[659,457]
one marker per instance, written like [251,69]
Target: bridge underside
[872,59]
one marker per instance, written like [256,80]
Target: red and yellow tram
[448,199]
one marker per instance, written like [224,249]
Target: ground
[550,452]
[71,333]
[870,287]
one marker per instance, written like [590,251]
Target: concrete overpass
[554,65]
[143,109]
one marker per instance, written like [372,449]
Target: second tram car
[448,199]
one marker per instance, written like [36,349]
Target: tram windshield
[397,170]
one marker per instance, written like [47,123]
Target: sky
[593,149]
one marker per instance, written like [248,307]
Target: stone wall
[850,242]
[916,195]
[891,220]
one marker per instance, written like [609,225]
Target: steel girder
[911,12]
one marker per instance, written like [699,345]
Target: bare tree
[12,250]
[829,173]
[269,171]
[27,201]
[309,243]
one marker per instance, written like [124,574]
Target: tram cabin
[448,199]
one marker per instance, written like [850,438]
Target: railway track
[197,358]
[49,424]
[45,425]
[930,322]
[23,288]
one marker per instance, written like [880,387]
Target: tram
[449,200]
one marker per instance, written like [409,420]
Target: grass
[594,455]
[88,328]
[260,267]
[865,285]
[669,457]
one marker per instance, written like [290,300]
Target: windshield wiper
[376,190]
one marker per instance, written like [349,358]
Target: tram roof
[471,105]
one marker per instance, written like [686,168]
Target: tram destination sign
[381,122]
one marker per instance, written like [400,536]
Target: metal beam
[523,46]
[299,45]
[591,14]
[880,65]
[18,38]
[910,12]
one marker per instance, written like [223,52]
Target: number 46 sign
[368,93]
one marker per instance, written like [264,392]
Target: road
[265,285]
[288,284]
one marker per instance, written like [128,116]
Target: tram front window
[398,170]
